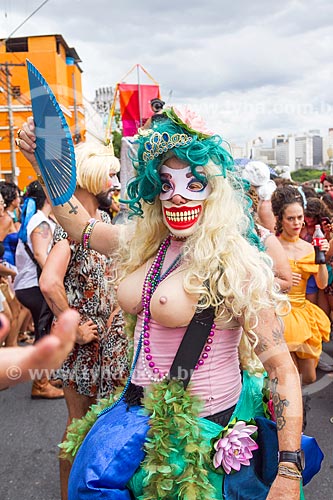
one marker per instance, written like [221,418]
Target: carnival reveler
[189,253]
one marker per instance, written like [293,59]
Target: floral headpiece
[323,177]
[190,121]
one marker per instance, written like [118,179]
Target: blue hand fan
[55,148]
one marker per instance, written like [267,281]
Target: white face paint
[182,182]
[182,198]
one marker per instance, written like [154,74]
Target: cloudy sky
[250,68]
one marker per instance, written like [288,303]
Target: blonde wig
[222,260]
[220,265]
[95,163]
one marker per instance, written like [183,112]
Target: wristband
[86,233]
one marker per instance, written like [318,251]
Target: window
[17,44]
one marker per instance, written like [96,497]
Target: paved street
[30,431]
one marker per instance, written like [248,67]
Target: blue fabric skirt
[107,465]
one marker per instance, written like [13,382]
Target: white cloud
[251,68]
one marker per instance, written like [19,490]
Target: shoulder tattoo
[43,229]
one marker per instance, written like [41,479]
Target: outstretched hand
[48,353]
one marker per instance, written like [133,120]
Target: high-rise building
[317,150]
[59,64]
[328,148]
[299,151]
[256,150]
[304,151]
[285,151]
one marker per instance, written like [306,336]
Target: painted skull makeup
[184,183]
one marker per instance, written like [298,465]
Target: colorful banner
[134,104]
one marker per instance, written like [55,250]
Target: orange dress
[306,325]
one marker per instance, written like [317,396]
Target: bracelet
[40,180]
[289,472]
[86,233]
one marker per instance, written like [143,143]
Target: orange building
[58,63]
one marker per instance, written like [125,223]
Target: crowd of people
[191,310]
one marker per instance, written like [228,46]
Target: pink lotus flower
[235,446]
[192,120]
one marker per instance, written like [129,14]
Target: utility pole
[77,136]
[11,118]
[11,124]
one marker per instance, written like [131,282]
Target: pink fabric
[217,382]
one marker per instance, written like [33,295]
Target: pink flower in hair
[191,121]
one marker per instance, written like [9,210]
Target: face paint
[109,183]
[114,181]
[184,183]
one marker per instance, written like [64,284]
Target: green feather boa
[174,438]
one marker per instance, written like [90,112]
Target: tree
[116,141]
[306,174]
[117,134]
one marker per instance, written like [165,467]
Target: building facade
[59,65]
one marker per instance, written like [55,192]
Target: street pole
[11,124]
[77,136]
[10,116]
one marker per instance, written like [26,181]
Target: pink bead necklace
[151,282]
[208,347]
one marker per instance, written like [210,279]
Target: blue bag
[107,465]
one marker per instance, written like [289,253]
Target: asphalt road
[31,429]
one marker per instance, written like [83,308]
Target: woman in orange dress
[306,325]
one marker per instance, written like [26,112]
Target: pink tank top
[217,382]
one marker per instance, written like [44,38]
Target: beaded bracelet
[86,233]
[289,472]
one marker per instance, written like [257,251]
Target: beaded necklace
[151,282]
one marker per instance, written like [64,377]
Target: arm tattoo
[43,229]
[277,337]
[277,333]
[262,345]
[279,405]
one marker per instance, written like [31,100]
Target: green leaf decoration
[174,434]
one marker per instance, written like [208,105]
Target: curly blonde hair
[220,265]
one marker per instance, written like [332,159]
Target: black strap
[46,314]
[32,257]
[191,346]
